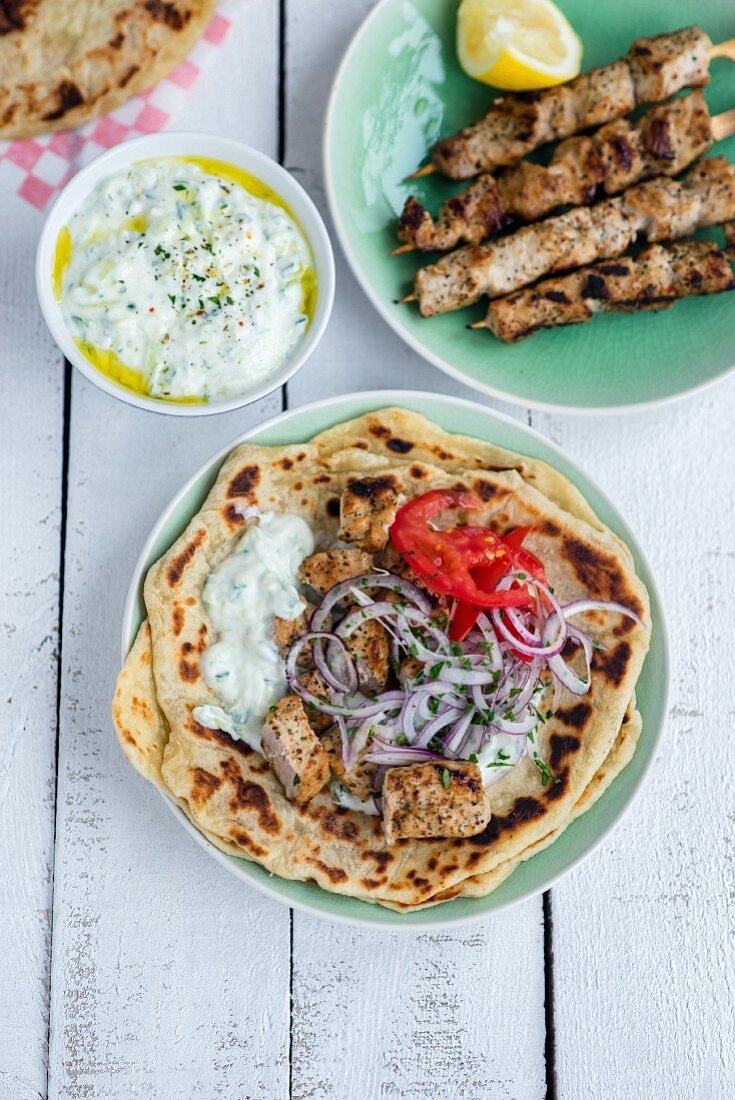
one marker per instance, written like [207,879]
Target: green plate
[583,835]
[399,89]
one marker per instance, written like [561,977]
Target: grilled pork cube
[471,217]
[367,509]
[294,751]
[359,780]
[370,648]
[314,684]
[442,798]
[666,63]
[286,631]
[329,567]
[653,280]
[395,562]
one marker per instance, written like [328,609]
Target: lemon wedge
[518,45]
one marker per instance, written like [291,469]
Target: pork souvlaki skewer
[658,209]
[654,280]
[654,69]
[663,142]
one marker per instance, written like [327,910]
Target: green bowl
[583,835]
[399,88]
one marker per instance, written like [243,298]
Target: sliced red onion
[453,740]
[578,607]
[316,638]
[394,755]
[436,725]
[362,615]
[340,591]
[356,740]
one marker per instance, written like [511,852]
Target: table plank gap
[169,976]
[31,428]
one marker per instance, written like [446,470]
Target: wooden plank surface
[412,1013]
[31,423]
[644,966]
[168,979]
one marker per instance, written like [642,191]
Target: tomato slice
[447,559]
[464,562]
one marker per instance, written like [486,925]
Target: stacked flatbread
[64,63]
[230,792]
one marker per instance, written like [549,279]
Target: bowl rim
[233,151]
[379,399]
[393,321]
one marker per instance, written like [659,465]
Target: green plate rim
[316,901]
[394,322]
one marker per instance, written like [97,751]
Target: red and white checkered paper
[38,168]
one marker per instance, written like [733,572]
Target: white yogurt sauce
[242,595]
[186,279]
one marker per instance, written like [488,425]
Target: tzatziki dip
[185,279]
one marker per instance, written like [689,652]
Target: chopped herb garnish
[446,778]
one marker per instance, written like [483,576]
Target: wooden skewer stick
[408,298]
[722,49]
[427,170]
[723,125]
[477,324]
[403,248]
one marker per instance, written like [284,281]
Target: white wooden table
[131,965]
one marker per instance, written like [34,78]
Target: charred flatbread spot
[233,516]
[381,859]
[285,463]
[379,431]
[373,883]
[556,296]
[16,14]
[333,506]
[69,97]
[244,841]
[599,573]
[164,11]
[180,562]
[141,708]
[433,863]
[188,670]
[179,616]
[248,796]
[339,825]
[322,479]
[244,482]
[524,810]
[127,736]
[561,747]
[575,716]
[486,490]
[334,874]
[203,786]
[556,789]
[371,488]
[418,472]
[612,664]
[219,737]
[473,858]
[400,446]
[549,528]
[128,76]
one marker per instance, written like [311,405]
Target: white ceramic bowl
[186,144]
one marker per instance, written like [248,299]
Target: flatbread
[230,790]
[63,63]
